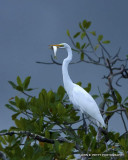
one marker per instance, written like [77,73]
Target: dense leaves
[49,115]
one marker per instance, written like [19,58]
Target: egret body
[77,95]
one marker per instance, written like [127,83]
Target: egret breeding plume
[77,95]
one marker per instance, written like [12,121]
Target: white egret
[77,95]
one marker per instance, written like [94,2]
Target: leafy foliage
[41,116]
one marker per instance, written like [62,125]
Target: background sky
[27,27]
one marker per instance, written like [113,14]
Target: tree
[44,125]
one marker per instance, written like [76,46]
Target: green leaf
[82,56]
[82,47]
[102,148]
[26,82]
[76,35]
[61,92]
[95,96]
[122,142]
[19,82]
[12,102]
[125,136]
[79,83]
[111,135]
[56,145]
[12,84]
[51,96]
[18,123]
[106,95]
[87,140]
[93,130]
[19,88]
[12,129]
[106,42]
[111,108]
[126,99]
[86,24]
[96,47]
[17,99]
[46,157]
[60,109]
[80,25]
[14,116]
[78,45]
[47,134]
[65,149]
[119,98]
[93,33]
[68,33]
[30,89]
[83,35]
[55,135]
[88,88]
[26,124]
[100,37]
[2,140]
[20,103]
[11,107]
[3,131]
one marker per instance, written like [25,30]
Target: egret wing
[84,101]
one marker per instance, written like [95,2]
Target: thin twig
[27,94]
[116,110]
[104,49]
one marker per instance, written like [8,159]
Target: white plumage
[77,95]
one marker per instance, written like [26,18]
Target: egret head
[56,46]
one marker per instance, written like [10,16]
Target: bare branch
[117,54]
[36,137]
[121,114]
[45,62]
[27,94]
[104,49]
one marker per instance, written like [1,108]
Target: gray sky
[27,27]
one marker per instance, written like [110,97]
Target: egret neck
[68,84]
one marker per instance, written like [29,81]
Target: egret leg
[98,136]
[84,123]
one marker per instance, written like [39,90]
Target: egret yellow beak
[57,45]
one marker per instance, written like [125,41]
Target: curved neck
[66,78]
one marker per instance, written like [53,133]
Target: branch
[123,119]
[44,62]
[89,41]
[105,50]
[116,110]
[36,137]
[27,94]
[123,122]
[117,54]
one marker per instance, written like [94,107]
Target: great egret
[77,95]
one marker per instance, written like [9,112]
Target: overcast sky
[27,27]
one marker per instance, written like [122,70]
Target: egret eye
[54,50]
